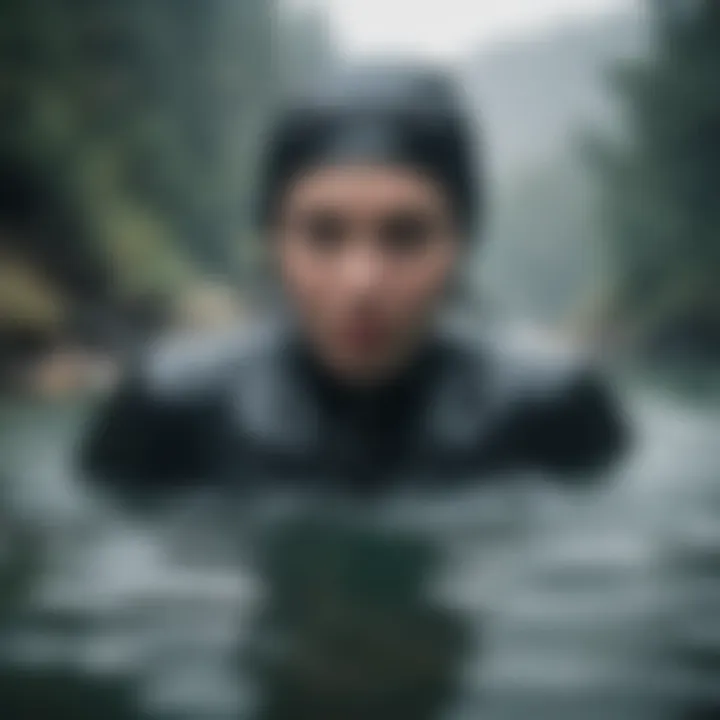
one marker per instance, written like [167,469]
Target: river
[605,605]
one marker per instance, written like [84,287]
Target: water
[598,603]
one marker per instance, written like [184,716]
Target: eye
[407,233]
[324,231]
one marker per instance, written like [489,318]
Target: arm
[579,427]
[149,438]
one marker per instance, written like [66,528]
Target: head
[368,211]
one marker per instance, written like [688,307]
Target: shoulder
[514,363]
[159,425]
[559,409]
[189,367]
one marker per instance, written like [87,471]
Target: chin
[364,370]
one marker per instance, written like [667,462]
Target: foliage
[150,116]
[660,198]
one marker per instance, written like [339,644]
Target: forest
[129,137]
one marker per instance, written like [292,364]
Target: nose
[362,270]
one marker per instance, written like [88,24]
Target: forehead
[365,187]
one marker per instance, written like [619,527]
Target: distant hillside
[534,93]
[543,257]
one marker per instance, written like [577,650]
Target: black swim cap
[405,115]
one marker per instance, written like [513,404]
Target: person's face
[365,255]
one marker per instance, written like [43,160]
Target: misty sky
[446,28]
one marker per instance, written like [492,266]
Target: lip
[364,337]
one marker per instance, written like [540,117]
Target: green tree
[160,102]
[661,180]
[151,114]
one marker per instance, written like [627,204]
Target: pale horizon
[451,29]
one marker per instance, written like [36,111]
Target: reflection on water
[348,627]
[537,601]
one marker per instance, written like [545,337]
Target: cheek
[308,280]
[423,282]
